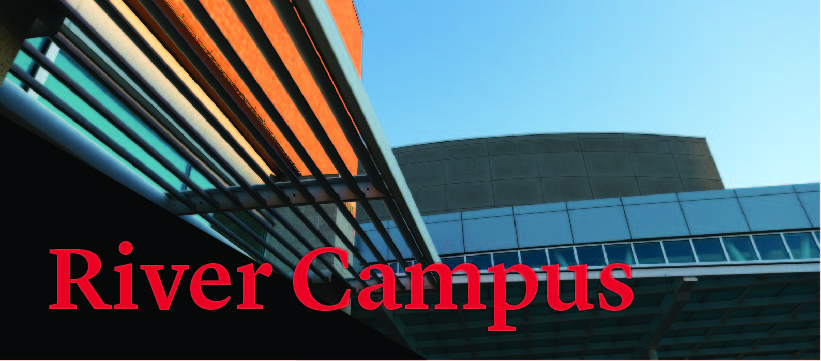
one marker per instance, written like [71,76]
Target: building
[716,272]
[248,120]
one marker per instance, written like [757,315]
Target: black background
[56,201]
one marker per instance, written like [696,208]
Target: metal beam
[499,354]
[672,304]
[739,336]
[716,351]
[756,302]
[757,281]
[248,201]
[431,297]
[742,321]
[265,177]
[668,271]
[330,46]
[621,330]
[566,316]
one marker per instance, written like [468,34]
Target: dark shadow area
[55,201]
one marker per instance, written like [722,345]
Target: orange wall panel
[347,21]
[268,18]
[188,26]
[237,35]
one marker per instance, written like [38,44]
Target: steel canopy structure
[744,312]
[181,134]
[251,124]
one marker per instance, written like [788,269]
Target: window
[535,259]
[709,250]
[591,255]
[562,256]
[679,252]
[801,245]
[649,253]
[770,247]
[506,258]
[619,253]
[481,261]
[740,249]
[453,261]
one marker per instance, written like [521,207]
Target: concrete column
[15,22]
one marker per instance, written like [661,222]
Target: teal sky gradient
[743,74]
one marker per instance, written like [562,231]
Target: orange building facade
[231,19]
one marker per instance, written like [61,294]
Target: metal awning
[744,311]
[181,153]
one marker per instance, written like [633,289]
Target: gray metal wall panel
[560,189]
[470,195]
[568,167]
[514,166]
[511,192]
[656,185]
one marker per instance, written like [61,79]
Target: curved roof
[479,173]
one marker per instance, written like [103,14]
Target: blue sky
[743,74]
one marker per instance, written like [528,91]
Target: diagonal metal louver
[177,132]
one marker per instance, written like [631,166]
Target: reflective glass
[91,137]
[395,266]
[482,261]
[591,256]
[656,220]
[37,43]
[619,253]
[649,253]
[200,180]
[679,252]
[110,102]
[506,258]
[24,62]
[535,259]
[770,247]
[817,235]
[740,249]
[562,256]
[714,216]
[599,225]
[452,262]
[709,250]
[543,229]
[801,245]
[378,243]
[774,211]
[104,126]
